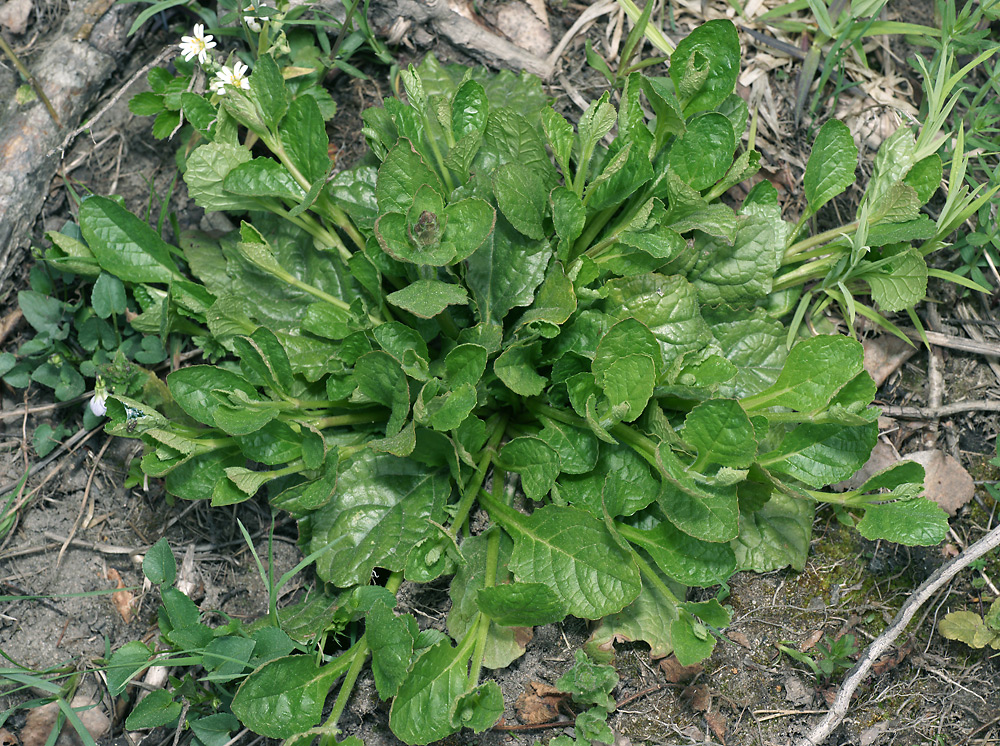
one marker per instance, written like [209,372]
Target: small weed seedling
[829,659]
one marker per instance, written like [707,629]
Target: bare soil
[748,692]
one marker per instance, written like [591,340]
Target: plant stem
[820,238]
[339,420]
[490,579]
[476,481]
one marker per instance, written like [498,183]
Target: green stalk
[644,569]
[813,270]
[490,579]
[820,238]
[340,420]
[471,489]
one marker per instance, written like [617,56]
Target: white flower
[235,77]
[252,21]
[98,403]
[197,45]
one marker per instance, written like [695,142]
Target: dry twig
[883,642]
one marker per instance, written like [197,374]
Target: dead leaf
[946,482]
[539,703]
[739,638]
[698,697]
[41,720]
[7,738]
[890,660]
[676,673]
[884,355]
[121,598]
[810,642]
[14,15]
[797,692]
[717,722]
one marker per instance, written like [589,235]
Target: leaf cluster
[497,298]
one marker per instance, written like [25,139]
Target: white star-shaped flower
[235,77]
[197,45]
[252,21]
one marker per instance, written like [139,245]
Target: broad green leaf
[326,320]
[505,271]
[577,449]
[309,496]
[589,682]
[705,65]
[742,271]
[263,177]
[666,305]
[511,137]
[621,476]
[595,123]
[815,370]
[214,730]
[421,711]
[391,639]
[568,218]
[428,298]
[535,461]
[402,342]
[470,222]
[381,379]
[775,536]
[274,444]
[125,663]
[124,245]
[469,110]
[893,161]
[263,360]
[516,368]
[401,174]
[628,337]
[683,558]
[559,134]
[382,509]
[159,565]
[504,644]
[819,455]
[226,657]
[629,381]
[754,344]
[479,708]
[154,710]
[968,627]
[268,87]
[693,643]
[917,522]
[832,163]
[465,364]
[285,696]
[623,174]
[554,304]
[521,604]
[446,411]
[108,296]
[195,478]
[901,282]
[702,154]
[303,135]
[521,196]
[705,511]
[721,433]
[647,619]
[193,387]
[925,177]
[207,168]
[571,552]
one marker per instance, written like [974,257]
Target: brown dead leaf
[698,697]
[946,482]
[14,16]
[739,638]
[884,355]
[717,722]
[539,703]
[121,598]
[810,642]
[41,720]
[676,673]
[7,738]
[890,660]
